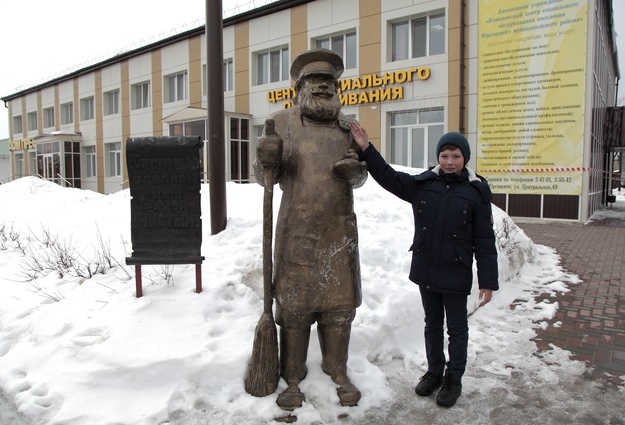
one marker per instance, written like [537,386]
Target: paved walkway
[590,321]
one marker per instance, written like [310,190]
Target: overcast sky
[41,39]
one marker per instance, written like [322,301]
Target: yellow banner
[532,62]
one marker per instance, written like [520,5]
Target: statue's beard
[319,108]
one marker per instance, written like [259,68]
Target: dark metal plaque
[166,218]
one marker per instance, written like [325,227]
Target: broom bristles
[263,371]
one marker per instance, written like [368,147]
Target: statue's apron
[317,267]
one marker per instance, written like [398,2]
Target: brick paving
[590,321]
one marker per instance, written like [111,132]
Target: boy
[453,222]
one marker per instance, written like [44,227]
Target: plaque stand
[139,280]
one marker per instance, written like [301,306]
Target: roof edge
[267,9]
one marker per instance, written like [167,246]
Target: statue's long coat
[316,260]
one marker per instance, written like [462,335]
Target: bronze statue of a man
[317,266]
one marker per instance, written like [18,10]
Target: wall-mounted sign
[531,81]
[379,92]
[21,145]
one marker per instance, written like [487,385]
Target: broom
[263,371]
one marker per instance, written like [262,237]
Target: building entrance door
[48,170]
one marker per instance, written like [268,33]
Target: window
[32,163]
[19,165]
[32,121]
[48,117]
[228,75]
[272,66]
[419,37]
[414,135]
[188,128]
[343,44]
[114,159]
[111,102]
[87,110]
[239,150]
[140,94]
[90,161]
[176,87]
[17,124]
[67,113]
[71,163]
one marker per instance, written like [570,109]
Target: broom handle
[267,240]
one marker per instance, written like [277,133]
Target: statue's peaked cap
[317,61]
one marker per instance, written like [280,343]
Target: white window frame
[433,43]
[32,121]
[141,95]
[17,124]
[48,117]
[345,44]
[228,76]
[67,113]
[19,165]
[228,70]
[90,161]
[87,108]
[175,87]
[271,65]
[425,120]
[110,104]
[240,150]
[114,159]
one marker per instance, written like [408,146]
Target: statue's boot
[293,354]
[334,342]
[291,398]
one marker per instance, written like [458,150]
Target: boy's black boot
[428,383]
[450,391]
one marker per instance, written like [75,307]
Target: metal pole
[215,115]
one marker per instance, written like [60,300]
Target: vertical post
[198,278]
[215,115]
[138,280]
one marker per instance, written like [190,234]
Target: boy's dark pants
[453,307]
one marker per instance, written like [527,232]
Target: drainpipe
[461,88]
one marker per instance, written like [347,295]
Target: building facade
[513,79]
[5,161]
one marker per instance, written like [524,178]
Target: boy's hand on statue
[269,150]
[359,134]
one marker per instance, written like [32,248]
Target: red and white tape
[544,170]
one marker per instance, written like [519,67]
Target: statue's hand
[269,150]
[351,169]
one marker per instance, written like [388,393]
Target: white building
[528,82]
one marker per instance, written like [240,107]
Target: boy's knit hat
[456,139]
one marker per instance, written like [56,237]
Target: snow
[76,349]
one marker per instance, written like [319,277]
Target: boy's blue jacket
[452,223]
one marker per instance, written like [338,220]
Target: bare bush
[165,273]
[3,237]
[63,257]
[504,235]
[14,241]
[54,296]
